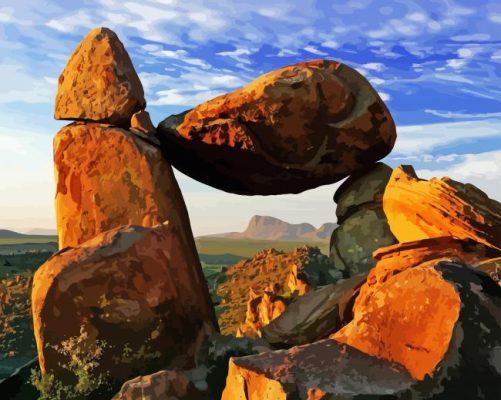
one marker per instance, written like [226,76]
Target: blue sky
[437,64]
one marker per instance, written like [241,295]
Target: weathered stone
[133,297]
[322,370]
[358,236]
[99,82]
[162,385]
[315,315]
[417,307]
[491,267]
[364,188]
[108,177]
[141,122]
[290,130]
[418,209]
[270,268]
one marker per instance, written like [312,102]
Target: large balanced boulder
[108,177]
[363,227]
[419,209]
[424,308]
[99,82]
[293,129]
[133,297]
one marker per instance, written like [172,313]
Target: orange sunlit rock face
[292,129]
[406,311]
[99,82]
[108,177]
[419,209]
[135,296]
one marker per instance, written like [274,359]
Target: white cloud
[330,44]
[474,37]
[418,139]
[181,55]
[176,97]
[461,115]
[496,18]
[482,170]
[70,23]
[374,66]
[287,53]
[20,86]
[314,50]
[384,96]
[239,54]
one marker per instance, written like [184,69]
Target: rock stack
[127,283]
[418,317]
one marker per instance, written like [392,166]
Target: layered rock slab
[293,129]
[419,209]
[423,308]
[108,177]
[134,297]
[99,82]
[324,369]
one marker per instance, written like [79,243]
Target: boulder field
[407,306]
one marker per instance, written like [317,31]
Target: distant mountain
[5,233]
[42,231]
[271,228]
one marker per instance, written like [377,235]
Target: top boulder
[99,82]
[293,129]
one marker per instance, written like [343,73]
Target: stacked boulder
[363,226]
[127,284]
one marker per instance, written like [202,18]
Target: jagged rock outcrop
[322,370]
[315,315]
[270,269]
[140,121]
[419,209]
[99,82]
[134,297]
[363,227]
[293,129]
[425,309]
[108,177]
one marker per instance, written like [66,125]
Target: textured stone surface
[407,310]
[324,368]
[108,177]
[315,315]
[141,122]
[162,385]
[133,296]
[270,268]
[419,209]
[363,225]
[361,189]
[99,82]
[491,267]
[292,129]
[354,241]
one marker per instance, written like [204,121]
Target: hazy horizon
[436,64]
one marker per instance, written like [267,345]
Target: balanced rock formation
[418,209]
[293,129]
[134,296]
[322,370]
[108,177]
[99,82]
[314,316]
[270,270]
[425,309]
[363,227]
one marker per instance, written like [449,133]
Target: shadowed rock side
[363,226]
[322,370]
[315,315]
[290,130]
[424,311]
[419,209]
[282,275]
[107,177]
[99,82]
[134,297]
